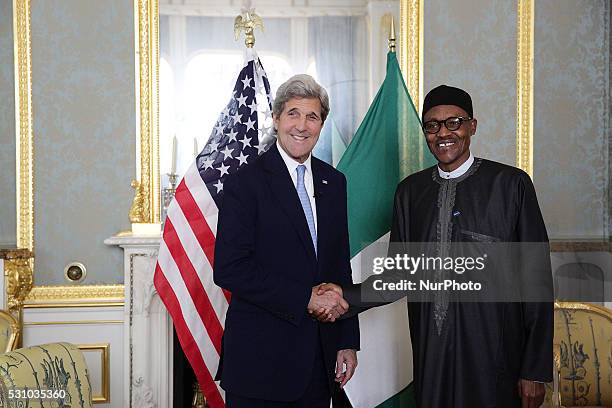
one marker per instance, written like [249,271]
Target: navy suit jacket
[265,257]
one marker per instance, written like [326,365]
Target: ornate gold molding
[146,204]
[23,130]
[18,274]
[411,48]
[603,311]
[18,280]
[524,86]
[17,277]
[52,305]
[75,294]
[15,331]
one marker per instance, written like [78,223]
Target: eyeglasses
[452,123]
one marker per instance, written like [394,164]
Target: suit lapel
[286,195]
[322,198]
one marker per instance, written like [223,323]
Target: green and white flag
[388,146]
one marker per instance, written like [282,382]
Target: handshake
[326,302]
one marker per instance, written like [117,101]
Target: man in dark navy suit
[282,231]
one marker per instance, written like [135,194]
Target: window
[167,117]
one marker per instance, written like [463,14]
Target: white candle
[195,147]
[173,166]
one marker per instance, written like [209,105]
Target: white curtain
[336,46]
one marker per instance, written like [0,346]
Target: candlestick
[173,166]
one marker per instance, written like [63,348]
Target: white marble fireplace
[148,327]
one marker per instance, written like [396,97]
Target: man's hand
[322,315]
[532,393]
[326,306]
[346,363]
[324,287]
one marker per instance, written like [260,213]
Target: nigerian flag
[388,146]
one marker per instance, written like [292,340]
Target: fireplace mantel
[148,327]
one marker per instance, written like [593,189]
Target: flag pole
[247,21]
[392,35]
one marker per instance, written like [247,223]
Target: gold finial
[247,21]
[392,34]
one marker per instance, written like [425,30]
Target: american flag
[184,271]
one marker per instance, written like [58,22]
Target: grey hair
[301,86]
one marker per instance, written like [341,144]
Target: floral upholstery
[583,354]
[49,375]
[9,330]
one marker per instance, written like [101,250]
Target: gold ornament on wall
[18,274]
[18,281]
[137,212]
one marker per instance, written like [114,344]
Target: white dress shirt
[308,180]
[459,171]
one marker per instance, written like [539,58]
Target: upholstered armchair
[49,375]
[9,332]
[583,355]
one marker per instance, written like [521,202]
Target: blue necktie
[305,200]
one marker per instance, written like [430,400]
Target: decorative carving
[248,21]
[411,47]
[137,212]
[25,137]
[147,60]
[18,281]
[18,273]
[142,394]
[75,293]
[143,284]
[524,87]
[410,56]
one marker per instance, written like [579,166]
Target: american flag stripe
[200,234]
[202,266]
[196,221]
[185,312]
[214,394]
[202,197]
[184,271]
[194,285]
